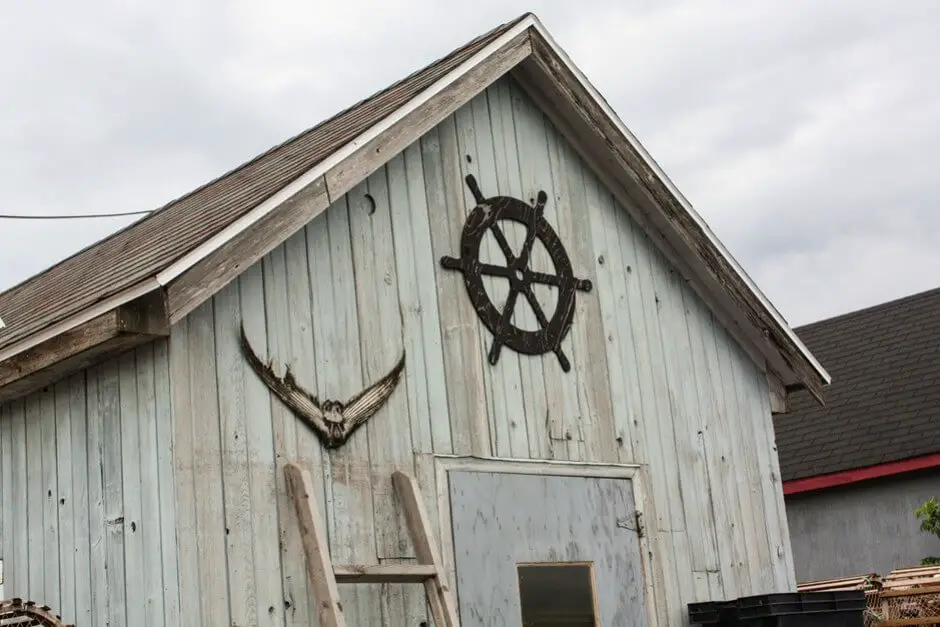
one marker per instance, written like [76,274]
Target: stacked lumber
[870,581]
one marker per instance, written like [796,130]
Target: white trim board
[635,473]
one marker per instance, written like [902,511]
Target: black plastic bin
[798,609]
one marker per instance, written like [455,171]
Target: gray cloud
[804,132]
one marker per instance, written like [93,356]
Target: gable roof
[884,404]
[191,247]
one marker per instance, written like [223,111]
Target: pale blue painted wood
[62,418]
[88,536]
[269,604]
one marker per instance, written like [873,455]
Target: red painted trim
[861,474]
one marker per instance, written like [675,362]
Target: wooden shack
[558,350]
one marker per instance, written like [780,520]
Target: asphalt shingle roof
[884,401]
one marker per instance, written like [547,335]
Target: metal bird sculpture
[332,421]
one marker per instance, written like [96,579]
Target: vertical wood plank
[207,458]
[78,472]
[406,198]
[50,499]
[16,571]
[109,404]
[761,570]
[788,583]
[131,493]
[302,356]
[714,443]
[78,423]
[66,502]
[768,484]
[6,494]
[36,497]
[259,433]
[462,156]
[519,391]
[184,470]
[732,505]
[294,576]
[230,373]
[589,359]
[466,404]
[166,482]
[689,427]
[744,512]
[6,490]
[149,523]
[611,288]
[562,389]
[97,522]
[381,337]
[381,342]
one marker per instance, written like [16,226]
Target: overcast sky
[806,132]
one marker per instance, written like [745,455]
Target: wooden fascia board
[212,273]
[101,338]
[667,221]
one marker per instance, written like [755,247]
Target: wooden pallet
[324,575]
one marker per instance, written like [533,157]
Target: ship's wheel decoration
[486,216]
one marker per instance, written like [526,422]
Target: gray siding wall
[654,380]
[868,528]
[87,522]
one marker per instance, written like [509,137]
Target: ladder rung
[384,573]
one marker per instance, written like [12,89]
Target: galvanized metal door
[561,551]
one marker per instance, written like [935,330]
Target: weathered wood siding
[87,507]
[654,380]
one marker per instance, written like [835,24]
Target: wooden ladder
[324,576]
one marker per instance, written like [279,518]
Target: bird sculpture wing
[302,402]
[362,406]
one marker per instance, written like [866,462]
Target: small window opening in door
[557,594]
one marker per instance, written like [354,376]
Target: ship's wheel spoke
[503,243]
[543,322]
[504,321]
[545,279]
[488,269]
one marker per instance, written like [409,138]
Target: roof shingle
[884,401]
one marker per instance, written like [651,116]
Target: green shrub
[929,516]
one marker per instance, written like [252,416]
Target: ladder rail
[324,575]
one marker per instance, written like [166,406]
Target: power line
[78,216]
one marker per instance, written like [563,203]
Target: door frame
[637,473]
